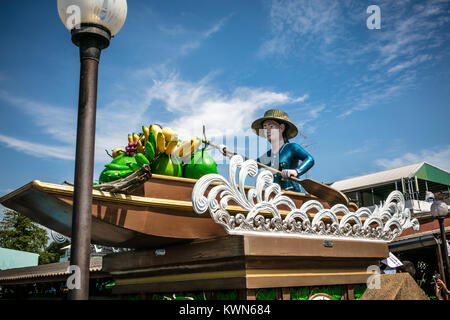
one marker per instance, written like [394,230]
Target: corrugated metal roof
[46,270]
[377,178]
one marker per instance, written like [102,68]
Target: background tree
[18,232]
[52,253]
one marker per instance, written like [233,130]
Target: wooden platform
[243,262]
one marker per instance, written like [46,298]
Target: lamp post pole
[444,251]
[91,40]
[92,24]
[439,210]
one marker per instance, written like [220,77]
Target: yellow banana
[169,134]
[160,142]
[182,148]
[190,146]
[146,132]
[140,147]
[171,146]
[130,138]
[135,137]
[155,129]
[195,144]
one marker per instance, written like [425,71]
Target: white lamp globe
[110,14]
[439,209]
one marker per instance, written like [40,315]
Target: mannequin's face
[274,130]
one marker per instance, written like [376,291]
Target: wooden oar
[320,190]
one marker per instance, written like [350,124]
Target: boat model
[160,212]
[166,210]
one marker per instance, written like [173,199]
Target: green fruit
[125,173]
[103,177]
[201,163]
[134,166]
[141,159]
[149,151]
[164,165]
[124,160]
[119,167]
[152,139]
[113,174]
[115,166]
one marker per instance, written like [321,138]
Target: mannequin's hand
[223,149]
[287,173]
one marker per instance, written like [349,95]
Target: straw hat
[278,116]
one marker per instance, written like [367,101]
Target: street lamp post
[439,210]
[92,24]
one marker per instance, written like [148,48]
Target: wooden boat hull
[158,213]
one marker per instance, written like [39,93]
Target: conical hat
[279,116]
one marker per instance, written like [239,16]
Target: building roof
[421,170]
[45,270]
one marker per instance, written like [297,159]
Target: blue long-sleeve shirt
[290,156]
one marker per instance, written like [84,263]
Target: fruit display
[160,148]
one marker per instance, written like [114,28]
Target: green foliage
[52,253]
[333,291]
[227,295]
[266,294]
[359,291]
[18,232]
[301,293]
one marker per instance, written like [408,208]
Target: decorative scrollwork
[261,214]
[57,237]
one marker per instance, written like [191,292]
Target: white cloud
[185,106]
[383,63]
[37,149]
[410,63]
[300,22]
[199,38]
[438,157]
[57,121]
[121,116]
[198,104]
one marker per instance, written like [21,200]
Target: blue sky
[364,100]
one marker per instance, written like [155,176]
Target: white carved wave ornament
[385,223]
